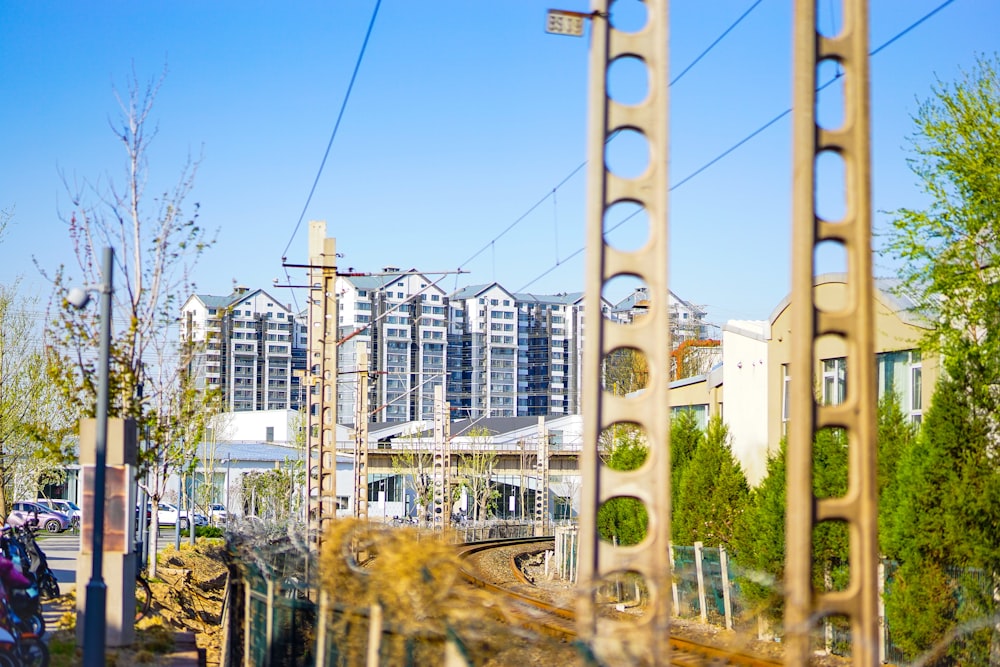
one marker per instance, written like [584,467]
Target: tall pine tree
[713,492]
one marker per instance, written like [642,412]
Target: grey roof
[495,425]
[379,281]
[567,298]
[251,451]
[887,290]
[215,301]
[473,290]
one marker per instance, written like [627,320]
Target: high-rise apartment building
[243,344]
[549,353]
[497,353]
[399,320]
[482,352]
[687,321]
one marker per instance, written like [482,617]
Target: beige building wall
[896,330]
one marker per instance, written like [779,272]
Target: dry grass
[415,579]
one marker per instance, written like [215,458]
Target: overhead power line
[552,191]
[336,126]
[753,134]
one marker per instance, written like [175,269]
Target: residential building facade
[398,320]
[483,352]
[242,345]
[751,389]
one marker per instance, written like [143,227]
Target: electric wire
[552,192]
[336,126]
[713,44]
[326,154]
[757,131]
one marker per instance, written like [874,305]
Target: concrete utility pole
[361,440]
[616,641]
[542,466]
[442,460]
[321,451]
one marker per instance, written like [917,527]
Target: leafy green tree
[475,473]
[272,494]
[415,466]
[157,240]
[625,370]
[623,520]
[35,441]
[948,254]
[713,492]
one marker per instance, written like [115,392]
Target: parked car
[168,513]
[67,507]
[217,513]
[50,520]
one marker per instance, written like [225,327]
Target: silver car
[67,507]
[50,520]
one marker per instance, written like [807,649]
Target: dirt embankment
[188,594]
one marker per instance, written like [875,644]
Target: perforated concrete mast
[853,326]
[321,453]
[644,640]
[441,514]
[361,440]
[542,468]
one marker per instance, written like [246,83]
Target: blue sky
[464,115]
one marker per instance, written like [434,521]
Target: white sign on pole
[559,22]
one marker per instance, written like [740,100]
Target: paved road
[62,550]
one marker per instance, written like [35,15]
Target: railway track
[492,566]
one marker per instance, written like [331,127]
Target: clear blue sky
[465,113]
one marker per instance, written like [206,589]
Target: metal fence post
[726,594]
[698,553]
[673,582]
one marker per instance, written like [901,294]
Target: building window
[902,373]
[269,434]
[834,381]
[786,398]
[700,413]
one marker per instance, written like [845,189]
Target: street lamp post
[227,461]
[96,607]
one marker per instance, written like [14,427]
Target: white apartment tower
[243,344]
[482,352]
[398,318]
[549,349]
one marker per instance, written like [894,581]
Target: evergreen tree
[685,434]
[759,541]
[623,520]
[830,538]
[713,491]
[943,526]
[895,436]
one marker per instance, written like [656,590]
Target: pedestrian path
[53,610]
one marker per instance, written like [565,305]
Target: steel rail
[560,622]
